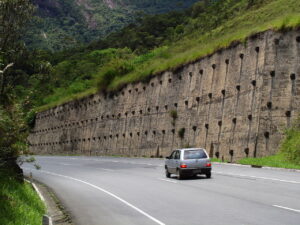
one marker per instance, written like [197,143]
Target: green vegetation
[174,116]
[217,33]
[12,133]
[278,160]
[289,154]
[290,147]
[20,204]
[138,52]
[14,14]
[216,160]
[68,23]
[13,128]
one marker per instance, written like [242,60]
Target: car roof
[186,149]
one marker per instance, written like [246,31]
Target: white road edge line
[264,178]
[36,190]
[171,181]
[107,192]
[282,207]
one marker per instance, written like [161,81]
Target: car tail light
[183,166]
[208,164]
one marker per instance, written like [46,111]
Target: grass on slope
[290,147]
[19,203]
[279,160]
[276,15]
[271,14]
[289,154]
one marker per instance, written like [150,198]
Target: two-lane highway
[135,191]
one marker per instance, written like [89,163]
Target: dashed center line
[287,208]
[66,164]
[171,181]
[109,170]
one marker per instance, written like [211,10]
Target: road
[135,191]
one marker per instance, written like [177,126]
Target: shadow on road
[198,177]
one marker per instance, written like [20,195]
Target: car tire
[208,175]
[168,175]
[179,175]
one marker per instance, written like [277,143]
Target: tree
[14,15]
[12,136]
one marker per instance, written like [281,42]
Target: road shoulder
[55,209]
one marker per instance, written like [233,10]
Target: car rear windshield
[195,154]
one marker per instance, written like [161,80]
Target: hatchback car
[188,162]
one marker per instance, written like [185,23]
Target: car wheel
[168,175]
[179,175]
[208,175]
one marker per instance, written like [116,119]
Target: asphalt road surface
[133,191]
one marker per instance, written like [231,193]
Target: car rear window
[195,154]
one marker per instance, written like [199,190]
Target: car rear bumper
[195,171]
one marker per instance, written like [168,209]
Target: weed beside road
[19,203]
[278,160]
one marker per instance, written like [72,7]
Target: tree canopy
[14,15]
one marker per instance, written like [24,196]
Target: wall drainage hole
[293,76]
[269,105]
[288,113]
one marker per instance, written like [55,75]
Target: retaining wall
[234,103]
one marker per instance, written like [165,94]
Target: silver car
[189,161]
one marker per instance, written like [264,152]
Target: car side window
[177,155]
[172,156]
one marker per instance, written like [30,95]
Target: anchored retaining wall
[235,103]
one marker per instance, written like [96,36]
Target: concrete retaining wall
[234,103]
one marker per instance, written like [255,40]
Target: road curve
[134,191]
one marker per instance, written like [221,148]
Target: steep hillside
[65,23]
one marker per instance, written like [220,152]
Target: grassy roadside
[19,203]
[279,161]
[288,155]
[217,160]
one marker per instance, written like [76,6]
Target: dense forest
[63,24]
